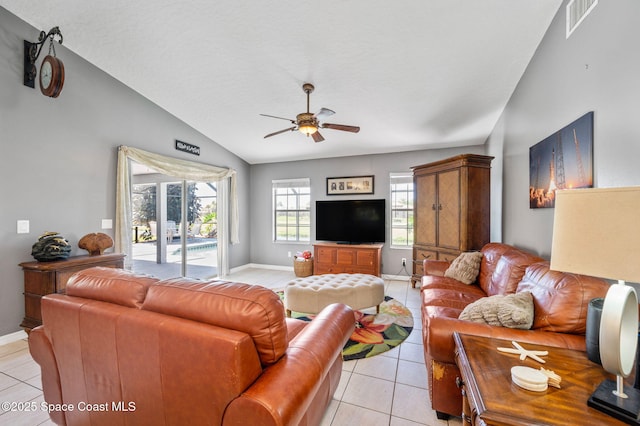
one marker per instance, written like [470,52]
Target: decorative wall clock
[51,76]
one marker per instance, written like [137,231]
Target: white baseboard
[261,266]
[395,277]
[13,337]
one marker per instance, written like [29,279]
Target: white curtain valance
[175,167]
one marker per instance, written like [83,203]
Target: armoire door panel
[449,209]
[426,210]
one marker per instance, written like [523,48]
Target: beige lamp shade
[596,232]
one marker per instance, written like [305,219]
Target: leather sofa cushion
[502,268]
[491,254]
[560,299]
[252,309]
[448,292]
[433,282]
[112,285]
[442,322]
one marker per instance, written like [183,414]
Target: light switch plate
[107,224]
[23,227]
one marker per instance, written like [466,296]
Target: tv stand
[336,258]
[349,243]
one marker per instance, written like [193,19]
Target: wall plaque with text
[187,147]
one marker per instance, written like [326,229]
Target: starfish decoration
[524,353]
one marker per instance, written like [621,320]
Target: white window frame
[401,179]
[296,208]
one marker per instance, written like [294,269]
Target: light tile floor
[388,389]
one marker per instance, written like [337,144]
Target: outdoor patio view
[201,231]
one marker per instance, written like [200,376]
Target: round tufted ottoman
[311,294]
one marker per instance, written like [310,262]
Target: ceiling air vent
[577,10]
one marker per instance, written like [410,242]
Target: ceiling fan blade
[323,113]
[353,129]
[280,118]
[290,129]
[317,137]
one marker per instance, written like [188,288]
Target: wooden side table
[491,398]
[41,278]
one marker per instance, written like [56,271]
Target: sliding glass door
[174,225]
[198,230]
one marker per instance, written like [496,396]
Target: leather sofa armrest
[42,353]
[441,346]
[284,391]
[435,267]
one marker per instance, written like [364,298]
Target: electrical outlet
[404,261]
[289,254]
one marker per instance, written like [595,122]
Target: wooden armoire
[451,208]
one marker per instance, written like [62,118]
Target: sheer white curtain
[223,223]
[182,169]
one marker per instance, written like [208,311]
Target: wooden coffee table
[491,398]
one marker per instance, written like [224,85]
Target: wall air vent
[577,10]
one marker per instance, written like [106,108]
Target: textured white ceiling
[414,74]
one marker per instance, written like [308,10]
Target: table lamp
[596,232]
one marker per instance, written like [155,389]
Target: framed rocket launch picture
[563,160]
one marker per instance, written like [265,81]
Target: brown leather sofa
[560,310]
[120,348]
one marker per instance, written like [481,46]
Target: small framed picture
[350,185]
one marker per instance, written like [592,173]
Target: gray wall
[596,69]
[59,157]
[265,251]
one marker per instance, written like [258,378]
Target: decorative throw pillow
[512,310]
[465,268]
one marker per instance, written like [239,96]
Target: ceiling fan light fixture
[307,124]
[307,129]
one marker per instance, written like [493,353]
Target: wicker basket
[302,269]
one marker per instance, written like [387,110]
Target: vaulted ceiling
[413,75]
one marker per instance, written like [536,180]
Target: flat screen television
[351,221]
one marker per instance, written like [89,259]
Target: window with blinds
[401,209]
[292,210]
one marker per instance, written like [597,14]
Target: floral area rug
[374,333]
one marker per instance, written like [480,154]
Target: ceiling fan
[308,123]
